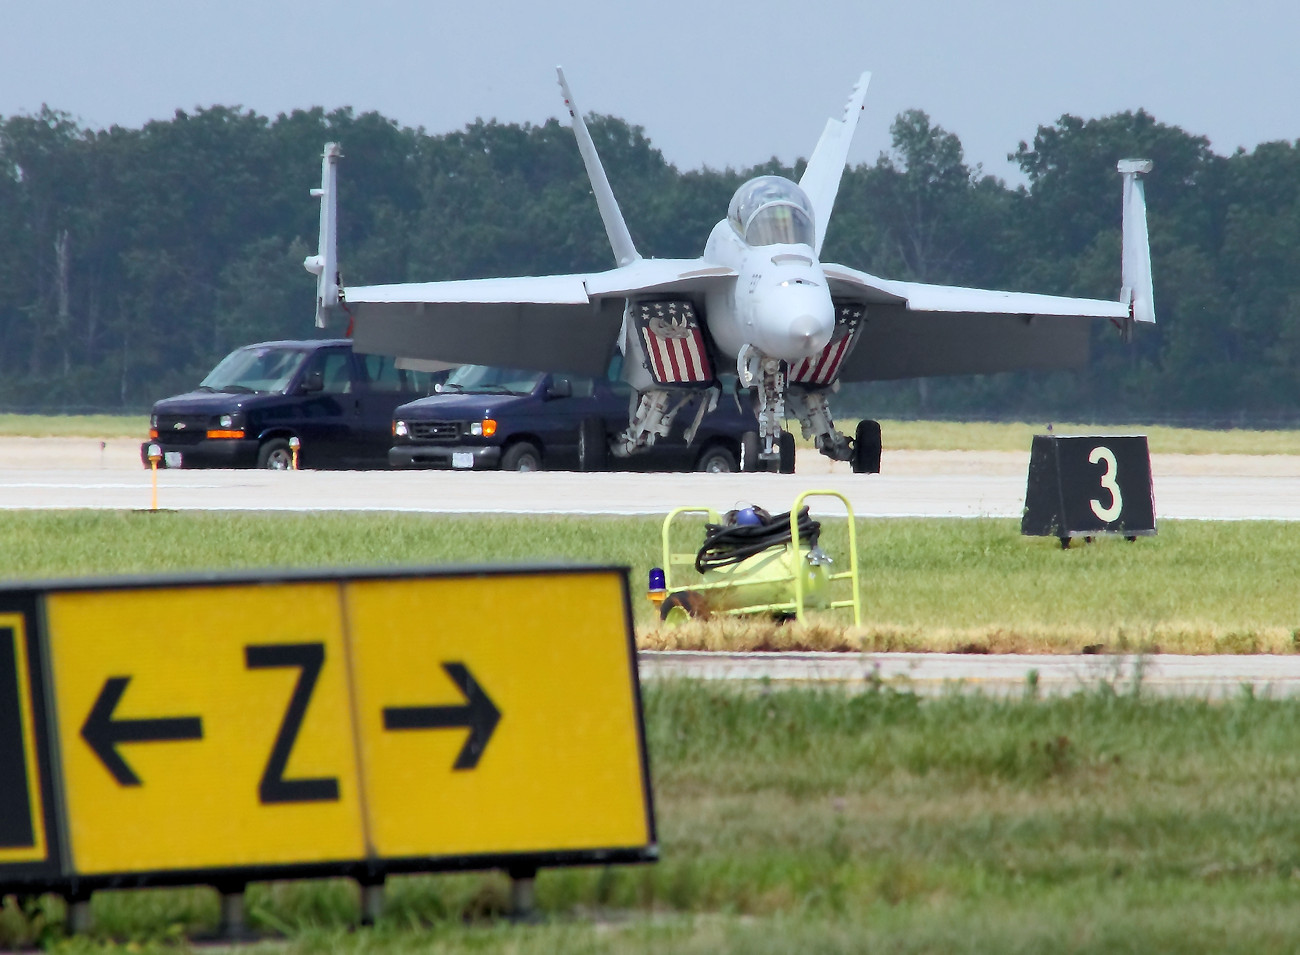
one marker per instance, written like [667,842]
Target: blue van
[502,418]
[338,405]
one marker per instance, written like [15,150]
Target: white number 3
[1108,484]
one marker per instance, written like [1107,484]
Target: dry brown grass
[756,634]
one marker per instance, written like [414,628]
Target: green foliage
[132,259]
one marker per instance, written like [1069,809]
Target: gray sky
[718,84]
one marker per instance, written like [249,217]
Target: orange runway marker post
[155,455]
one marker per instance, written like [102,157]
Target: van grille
[436,432]
[182,429]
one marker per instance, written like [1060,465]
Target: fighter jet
[757,310]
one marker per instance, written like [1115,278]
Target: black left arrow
[478,714]
[103,733]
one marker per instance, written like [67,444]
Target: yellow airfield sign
[156,731]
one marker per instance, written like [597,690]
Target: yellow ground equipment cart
[753,562]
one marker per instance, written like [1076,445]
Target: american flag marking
[673,343]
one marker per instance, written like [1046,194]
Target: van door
[325,406]
[568,399]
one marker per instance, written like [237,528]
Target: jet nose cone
[803,333]
[794,322]
[809,333]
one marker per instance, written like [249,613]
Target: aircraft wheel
[749,448]
[592,447]
[786,445]
[866,448]
[716,460]
[275,455]
[682,606]
[521,456]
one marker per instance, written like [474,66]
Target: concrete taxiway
[1214,676]
[79,473]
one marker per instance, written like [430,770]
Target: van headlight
[400,430]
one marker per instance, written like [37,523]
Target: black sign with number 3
[1084,485]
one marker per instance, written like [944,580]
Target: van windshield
[486,380]
[253,368]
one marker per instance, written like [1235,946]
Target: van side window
[382,373]
[336,371]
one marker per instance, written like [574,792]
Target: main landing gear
[862,452]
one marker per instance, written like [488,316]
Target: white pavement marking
[997,674]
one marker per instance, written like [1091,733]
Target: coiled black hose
[730,543]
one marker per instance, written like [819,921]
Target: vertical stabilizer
[325,263]
[821,180]
[619,238]
[1135,272]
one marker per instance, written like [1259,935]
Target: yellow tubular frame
[671,560]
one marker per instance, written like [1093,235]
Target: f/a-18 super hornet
[758,303]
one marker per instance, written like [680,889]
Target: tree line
[132,259]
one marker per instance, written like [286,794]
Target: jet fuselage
[780,303]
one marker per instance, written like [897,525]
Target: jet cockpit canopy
[771,210]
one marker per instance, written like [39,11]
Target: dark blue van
[491,418]
[243,414]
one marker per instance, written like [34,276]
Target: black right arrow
[477,714]
[103,733]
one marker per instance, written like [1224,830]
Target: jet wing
[915,330]
[566,323]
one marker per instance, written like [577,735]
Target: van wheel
[275,455]
[716,460]
[521,456]
[592,447]
[866,448]
[749,451]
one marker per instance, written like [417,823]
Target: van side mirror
[560,388]
[312,381]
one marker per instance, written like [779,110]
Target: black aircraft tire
[521,456]
[866,448]
[786,446]
[593,450]
[749,448]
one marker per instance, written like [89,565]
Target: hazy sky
[718,84]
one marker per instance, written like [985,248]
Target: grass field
[1017,436]
[826,821]
[831,821]
[82,426]
[908,435]
[1198,587]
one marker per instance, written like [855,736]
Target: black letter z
[309,658]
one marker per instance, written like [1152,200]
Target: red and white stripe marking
[677,360]
[823,369]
